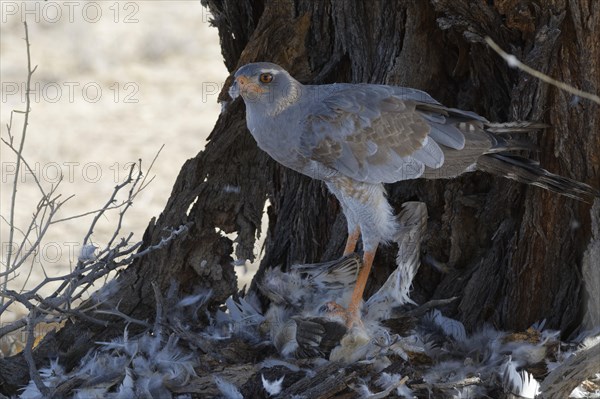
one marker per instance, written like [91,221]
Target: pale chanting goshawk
[355,137]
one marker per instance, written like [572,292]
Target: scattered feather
[91,393]
[539,325]
[87,252]
[395,291]
[270,363]
[242,312]
[107,292]
[126,389]
[52,376]
[362,390]
[272,387]
[387,380]
[531,387]
[436,351]
[228,390]
[197,300]
[578,393]
[511,379]
[451,327]
[470,392]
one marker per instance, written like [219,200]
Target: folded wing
[375,133]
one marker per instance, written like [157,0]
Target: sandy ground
[115,82]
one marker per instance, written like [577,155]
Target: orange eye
[266,78]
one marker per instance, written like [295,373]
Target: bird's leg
[352,240]
[359,288]
[351,315]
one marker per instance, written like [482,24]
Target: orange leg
[352,240]
[359,288]
[351,315]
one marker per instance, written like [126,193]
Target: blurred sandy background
[159,68]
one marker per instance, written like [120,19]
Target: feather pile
[295,347]
[143,367]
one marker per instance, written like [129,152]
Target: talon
[332,307]
[348,317]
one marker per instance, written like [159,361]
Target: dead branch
[512,61]
[566,377]
[33,371]
[13,200]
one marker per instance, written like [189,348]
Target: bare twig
[72,286]
[53,207]
[513,62]
[110,201]
[77,282]
[46,212]
[28,353]
[88,213]
[449,385]
[128,203]
[20,158]
[385,393]
[11,229]
[127,318]
[163,241]
[14,326]
[143,183]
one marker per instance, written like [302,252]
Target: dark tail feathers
[514,127]
[509,136]
[530,172]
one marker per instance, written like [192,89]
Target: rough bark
[513,254]
[565,378]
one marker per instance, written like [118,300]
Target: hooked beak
[242,85]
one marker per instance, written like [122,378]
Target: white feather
[549,335]
[30,391]
[198,299]
[362,390]
[90,393]
[243,312]
[405,392]
[539,325]
[447,371]
[395,291]
[488,341]
[87,252]
[272,387]
[470,392]
[511,379]
[411,343]
[228,390]
[387,380]
[451,327]
[126,389]
[52,376]
[578,393]
[523,353]
[121,344]
[531,387]
[176,366]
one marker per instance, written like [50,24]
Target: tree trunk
[513,254]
